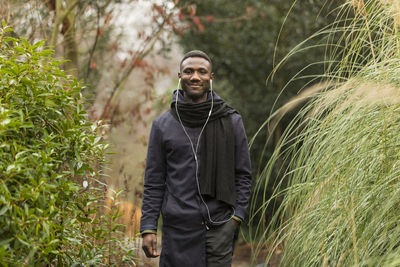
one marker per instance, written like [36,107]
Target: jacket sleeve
[154,180]
[242,168]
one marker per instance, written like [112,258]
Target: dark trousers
[220,242]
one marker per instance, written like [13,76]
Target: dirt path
[242,257]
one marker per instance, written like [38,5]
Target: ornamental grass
[339,159]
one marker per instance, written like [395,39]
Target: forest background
[127,55]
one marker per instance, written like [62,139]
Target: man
[197,174]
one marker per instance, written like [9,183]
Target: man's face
[195,78]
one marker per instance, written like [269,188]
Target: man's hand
[236,223]
[150,245]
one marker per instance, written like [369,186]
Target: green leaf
[46,228]
[10,39]
[23,241]
[37,45]
[25,43]
[3,210]
[5,242]
[19,49]
[83,219]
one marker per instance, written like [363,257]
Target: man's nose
[195,77]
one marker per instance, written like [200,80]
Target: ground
[241,257]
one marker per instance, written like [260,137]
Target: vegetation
[335,170]
[341,153]
[245,39]
[120,58]
[50,194]
[89,34]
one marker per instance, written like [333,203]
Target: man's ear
[179,75]
[212,76]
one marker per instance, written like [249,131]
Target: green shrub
[48,150]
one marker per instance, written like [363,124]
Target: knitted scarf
[217,161]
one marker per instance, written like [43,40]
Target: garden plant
[51,194]
[339,160]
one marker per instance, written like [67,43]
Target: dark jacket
[170,187]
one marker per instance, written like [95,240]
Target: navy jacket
[170,187]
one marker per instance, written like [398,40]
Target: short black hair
[195,53]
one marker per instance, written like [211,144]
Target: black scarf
[217,163]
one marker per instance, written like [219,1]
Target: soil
[243,255]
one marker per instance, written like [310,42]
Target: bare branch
[148,47]
[95,42]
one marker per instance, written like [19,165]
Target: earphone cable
[195,151]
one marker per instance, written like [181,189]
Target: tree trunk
[66,17]
[5,11]
[70,46]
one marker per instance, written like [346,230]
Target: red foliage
[147,111]
[159,9]
[140,63]
[181,16]
[210,18]
[249,9]
[263,15]
[200,26]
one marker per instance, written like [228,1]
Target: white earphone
[197,147]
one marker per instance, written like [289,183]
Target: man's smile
[195,85]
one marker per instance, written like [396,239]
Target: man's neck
[195,100]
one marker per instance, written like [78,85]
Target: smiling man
[197,174]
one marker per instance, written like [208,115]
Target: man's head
[195,74]
[195,53]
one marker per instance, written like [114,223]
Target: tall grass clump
[50,194]
[339,160]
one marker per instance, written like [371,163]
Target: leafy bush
[48,150]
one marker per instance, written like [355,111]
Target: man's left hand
[236,223]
